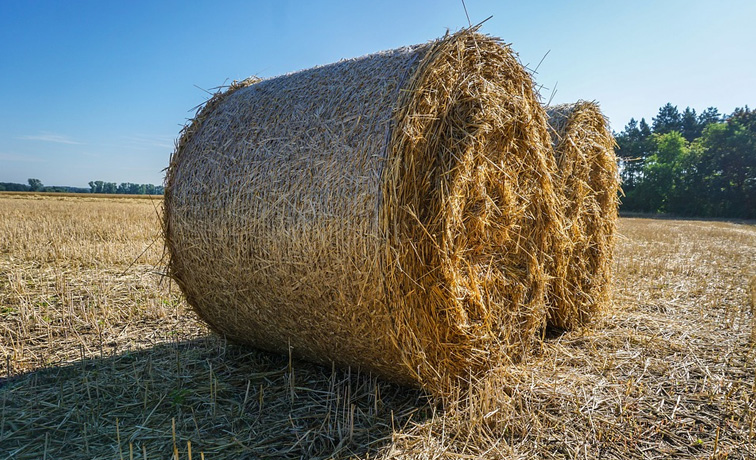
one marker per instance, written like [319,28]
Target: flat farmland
[100,357]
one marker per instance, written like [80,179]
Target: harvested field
[78,277]
[101,360]
[47,195]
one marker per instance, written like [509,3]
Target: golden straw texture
[588,181]
[391,212]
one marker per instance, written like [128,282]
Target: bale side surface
[390,212]
[272,212]
[588,180]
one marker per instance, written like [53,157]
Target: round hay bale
[391,212]
[588,182]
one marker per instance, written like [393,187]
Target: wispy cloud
[140,141]
[20,158]
[50,137]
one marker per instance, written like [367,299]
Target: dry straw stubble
[588,182]
[391,212]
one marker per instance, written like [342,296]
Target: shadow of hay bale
[224,400]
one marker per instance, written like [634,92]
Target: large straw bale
[588,182]
[391,212]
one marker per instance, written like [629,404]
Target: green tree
[689,126]
[667,120]
[645,130]
[627,153]
[35,185]
[664,187]
[702,165]
[709,116]
[634,144]
[631,150]
[728,165]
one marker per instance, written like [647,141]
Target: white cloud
[50,137]
[139,141]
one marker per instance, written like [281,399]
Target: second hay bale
[588,183]
[391,212]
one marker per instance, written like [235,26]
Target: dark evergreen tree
[633,147]
[667,120]
[708,116]
[645,129]
[627,153]
[690,128]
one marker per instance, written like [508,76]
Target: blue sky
[100,89]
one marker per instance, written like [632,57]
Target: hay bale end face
[391,212]
[588,183]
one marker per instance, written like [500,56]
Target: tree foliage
[667,120]
[35,185]
[688,164]
[125,188]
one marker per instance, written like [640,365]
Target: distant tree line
[690,164]
[125,188]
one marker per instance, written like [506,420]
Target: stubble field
[101,358]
